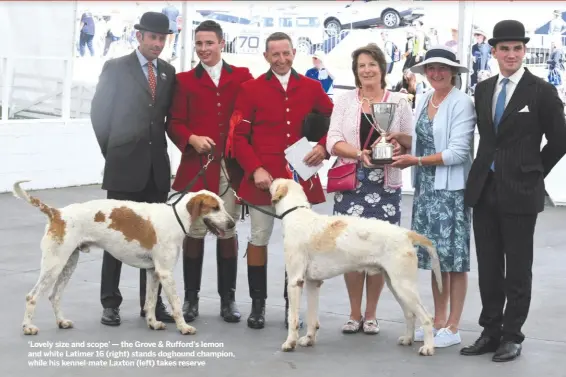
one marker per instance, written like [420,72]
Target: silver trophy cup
[383,114]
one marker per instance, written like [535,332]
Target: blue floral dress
[440,215]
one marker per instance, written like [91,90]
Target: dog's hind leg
[58,288]
[151,301]
[407,294]
[169,287]
[53,260]
[407,339]
[313,292]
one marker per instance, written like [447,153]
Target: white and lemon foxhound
[319,247]
[142,235]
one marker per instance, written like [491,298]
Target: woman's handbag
[344,177]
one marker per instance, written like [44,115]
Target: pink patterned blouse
[345,126]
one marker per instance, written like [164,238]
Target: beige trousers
[198,229]
[262,226]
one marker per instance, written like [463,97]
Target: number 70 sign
[247,44]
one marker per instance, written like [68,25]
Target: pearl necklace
[437,106]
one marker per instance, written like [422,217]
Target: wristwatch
[420,161]
[359,155]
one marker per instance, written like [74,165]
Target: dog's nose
[231,224]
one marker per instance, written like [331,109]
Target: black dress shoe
[256,320]
[111,317]
[228,310]
[507,351]
[161,313]
[484,344]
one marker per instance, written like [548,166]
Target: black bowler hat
[154,22]
[508,30]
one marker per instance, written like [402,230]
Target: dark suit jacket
[130,127]
[520,165]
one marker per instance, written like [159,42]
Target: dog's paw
[187,330]
[405,340]
[65,324]
[288,346]
[306,341]
[30,330]
[156,325]
[426,351]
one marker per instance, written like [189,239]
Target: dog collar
[281,216]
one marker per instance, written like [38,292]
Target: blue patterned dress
[439,215]
[370,199]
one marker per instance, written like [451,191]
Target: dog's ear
[200,205]
[280,193]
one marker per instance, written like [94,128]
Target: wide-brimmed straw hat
[442,55]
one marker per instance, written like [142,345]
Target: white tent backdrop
[39,44]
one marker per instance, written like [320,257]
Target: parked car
[363,14]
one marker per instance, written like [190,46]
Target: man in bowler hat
[128,114]
[506,187]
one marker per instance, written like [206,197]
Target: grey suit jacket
[130,127]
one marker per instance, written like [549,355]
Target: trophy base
[382,161]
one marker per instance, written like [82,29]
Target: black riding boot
[257,282]
[193,252]
[227,272]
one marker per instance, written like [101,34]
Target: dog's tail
[20,193]
[420,240]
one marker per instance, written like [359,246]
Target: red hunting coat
[202,109]
[266,121]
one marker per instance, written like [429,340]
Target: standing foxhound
[319,247]
[142,235]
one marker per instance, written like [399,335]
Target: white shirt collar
[283,78]
[215,69]
[514,78]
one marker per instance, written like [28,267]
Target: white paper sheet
[295,155]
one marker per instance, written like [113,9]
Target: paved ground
[241,351]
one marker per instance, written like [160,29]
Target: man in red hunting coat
[199,126]
[268,118]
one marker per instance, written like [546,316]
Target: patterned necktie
[499,109]
[151,79]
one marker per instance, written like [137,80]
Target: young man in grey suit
[128,114]
[506,187]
